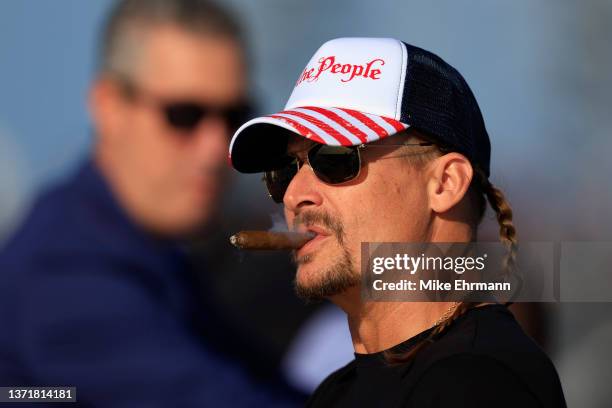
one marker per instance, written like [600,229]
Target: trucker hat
[358,90]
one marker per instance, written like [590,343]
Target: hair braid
[507,231]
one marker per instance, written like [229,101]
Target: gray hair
[129,20]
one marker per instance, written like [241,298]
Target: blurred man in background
[95,289]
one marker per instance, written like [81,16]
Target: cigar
[270,240]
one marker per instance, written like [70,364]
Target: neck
[378,326]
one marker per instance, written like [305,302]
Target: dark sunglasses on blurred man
[186,115]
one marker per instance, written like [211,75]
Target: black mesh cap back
[439,102]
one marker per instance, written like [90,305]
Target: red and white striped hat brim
[325,125]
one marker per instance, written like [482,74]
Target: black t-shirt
[484,359]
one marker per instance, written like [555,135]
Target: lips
[314,243]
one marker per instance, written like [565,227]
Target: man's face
[175,175]
[387,202]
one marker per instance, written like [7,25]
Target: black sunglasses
[185,116]
[331,165]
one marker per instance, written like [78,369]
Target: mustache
[313,217]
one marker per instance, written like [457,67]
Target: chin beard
[332,281]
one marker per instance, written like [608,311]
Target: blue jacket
[89,300]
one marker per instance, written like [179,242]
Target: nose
[303,191]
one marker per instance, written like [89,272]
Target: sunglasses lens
[331,164]
[187,116]
[277,181]
[334,164]
[184,116]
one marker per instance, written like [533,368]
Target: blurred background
[541,72]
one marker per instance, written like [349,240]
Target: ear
[449,179]
[105,107]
